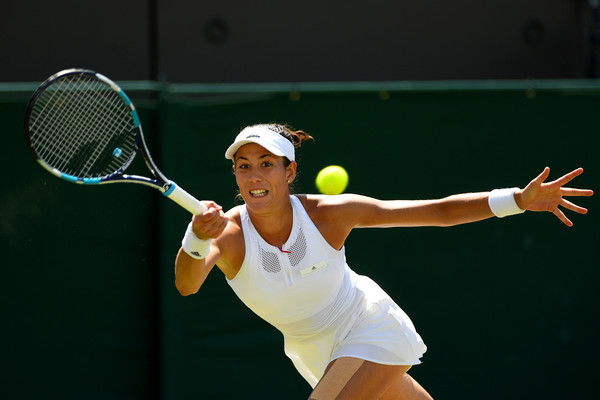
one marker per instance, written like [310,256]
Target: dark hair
[297,137]
[294,136]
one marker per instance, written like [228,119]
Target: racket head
[80,126]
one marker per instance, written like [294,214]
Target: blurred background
[415,99]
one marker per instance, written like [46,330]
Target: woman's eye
[267,164]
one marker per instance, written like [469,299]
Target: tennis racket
[81,127]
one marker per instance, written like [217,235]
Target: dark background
[312,40]
[416,100]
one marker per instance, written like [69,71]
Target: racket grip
[184,199]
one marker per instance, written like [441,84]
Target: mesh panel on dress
[298,249]
[270,262]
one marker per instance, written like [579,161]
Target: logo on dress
[313,268]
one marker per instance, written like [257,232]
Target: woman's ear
[291,171]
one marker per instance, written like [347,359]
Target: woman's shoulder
[311,202]
[231,243]
[332,215]
[320,206]
[233,230]
[314,202]
[235,220]
[235,211]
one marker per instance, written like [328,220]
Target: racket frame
[159,182]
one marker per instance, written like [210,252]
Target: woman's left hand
[541,196]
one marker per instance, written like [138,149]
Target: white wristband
[502,202]
[194,247]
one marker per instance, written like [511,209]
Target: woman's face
[261,176]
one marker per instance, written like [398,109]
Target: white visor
[263,136]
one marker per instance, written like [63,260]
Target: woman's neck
[274,225]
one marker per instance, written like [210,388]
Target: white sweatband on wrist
[194,247]
[502,202]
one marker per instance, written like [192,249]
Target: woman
[284,257]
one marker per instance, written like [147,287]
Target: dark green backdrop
[508,308]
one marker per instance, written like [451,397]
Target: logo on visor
[251,136]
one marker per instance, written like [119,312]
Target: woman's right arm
[190,272]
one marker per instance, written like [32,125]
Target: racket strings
[47,120]
[110,118]
[57,103]
[66,129]
[60,103]
[81,126]
[96,113]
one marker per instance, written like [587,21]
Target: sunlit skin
[263,183]
[263,180]
[539,195]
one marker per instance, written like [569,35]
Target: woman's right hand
[211,223]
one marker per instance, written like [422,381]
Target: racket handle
[184,199]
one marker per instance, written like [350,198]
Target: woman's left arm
[463,208]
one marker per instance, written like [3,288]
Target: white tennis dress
[323,308]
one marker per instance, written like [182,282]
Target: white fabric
[502,202]
[262,135]
[324,309]
[194,247]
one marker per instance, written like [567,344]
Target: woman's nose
[255,177]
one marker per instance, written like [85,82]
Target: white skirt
[375,329]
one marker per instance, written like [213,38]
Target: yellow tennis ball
[332,180]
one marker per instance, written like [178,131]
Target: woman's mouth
[259,193]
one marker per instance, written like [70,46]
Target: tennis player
[283,255]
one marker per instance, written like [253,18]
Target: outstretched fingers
[561,216]
[540,195]
[563,180]
[576,192]
[541,178]
[573,207]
